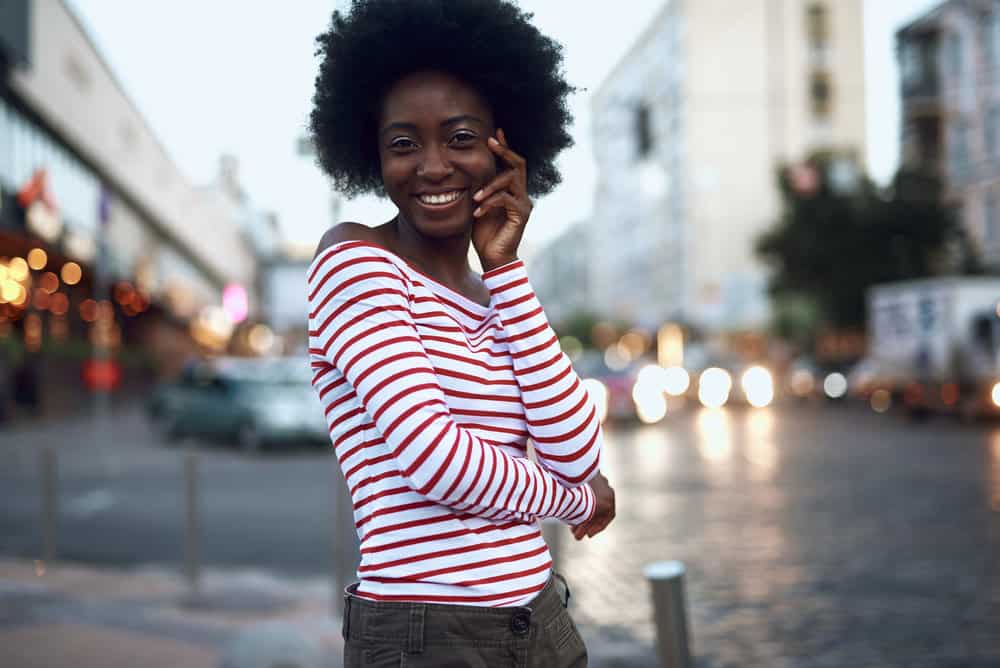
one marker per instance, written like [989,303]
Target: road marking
[91,503]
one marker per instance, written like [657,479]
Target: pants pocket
[383,657]
[564,647]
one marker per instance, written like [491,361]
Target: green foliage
[834,242]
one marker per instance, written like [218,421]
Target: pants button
[520,622]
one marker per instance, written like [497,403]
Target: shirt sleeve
[360,323]
[561,416]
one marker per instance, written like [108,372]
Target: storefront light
[37,259]
[71,273]
[18,269]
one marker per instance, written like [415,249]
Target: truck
[934,344]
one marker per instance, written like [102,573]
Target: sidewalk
[86,617]
[93,618]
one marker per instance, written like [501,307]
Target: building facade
[561,274]
[949,63]
[689,130]
[67,125]
[85,183]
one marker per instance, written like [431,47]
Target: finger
[502,182]
[579,531]
[506,154]
[507,202]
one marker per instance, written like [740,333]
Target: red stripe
[409,542]
[437,554]
[428,598]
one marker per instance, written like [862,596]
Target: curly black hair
[489,44]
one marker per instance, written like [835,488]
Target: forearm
[560,415]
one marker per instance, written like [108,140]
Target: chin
[444,228]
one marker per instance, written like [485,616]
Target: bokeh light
[59,304]
[880,400]
[48,282]
[18,269]
[88,310]
[676,381]
[714,386]
[758,386]
[71,273]
[650,404]
[835,385]
[37,259]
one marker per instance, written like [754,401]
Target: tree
[839,235]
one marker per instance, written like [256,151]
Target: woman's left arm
[561,417]
[560,414]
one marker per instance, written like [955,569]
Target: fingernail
[493,141]
[478,211]
[478,195]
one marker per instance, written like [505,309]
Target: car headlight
[714,385]
[650,404]
[758,386]
[995,394]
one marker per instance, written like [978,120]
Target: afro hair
[489,44]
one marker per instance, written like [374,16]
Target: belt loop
[415,643]
[345,627]
[566,592]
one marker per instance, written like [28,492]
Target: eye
[402,144]
[463,138]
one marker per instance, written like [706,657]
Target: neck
[446,260]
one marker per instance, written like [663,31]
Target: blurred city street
[770,253]
[813,535]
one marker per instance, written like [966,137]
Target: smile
[440,199]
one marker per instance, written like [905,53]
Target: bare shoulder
[342,232]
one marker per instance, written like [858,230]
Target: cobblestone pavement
[812,537]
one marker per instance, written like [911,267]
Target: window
[820,94]
[911,65]
[960,150]
[953,54]
[817,25]
[643,131]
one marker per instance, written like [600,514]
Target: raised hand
[503,209]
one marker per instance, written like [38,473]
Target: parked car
[249,402]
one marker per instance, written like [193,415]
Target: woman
[434,377]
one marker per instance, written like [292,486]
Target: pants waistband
[411,625]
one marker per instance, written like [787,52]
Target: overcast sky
[214,76]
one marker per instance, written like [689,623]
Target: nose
[434,164]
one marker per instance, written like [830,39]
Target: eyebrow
[454,120]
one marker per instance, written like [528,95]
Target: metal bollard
[666,579]
[554,532]
[50,505]
[192,542]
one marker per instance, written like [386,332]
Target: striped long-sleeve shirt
[431,398]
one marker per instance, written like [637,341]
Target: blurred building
[689,129]
[85,179]
[949,63]
[560,274]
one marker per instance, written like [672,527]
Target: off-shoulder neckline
[434,285]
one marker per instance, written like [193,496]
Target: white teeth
[443,198]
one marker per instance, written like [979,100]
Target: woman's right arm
[360,323]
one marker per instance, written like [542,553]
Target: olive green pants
[424,635]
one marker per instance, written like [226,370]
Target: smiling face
[432,144]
